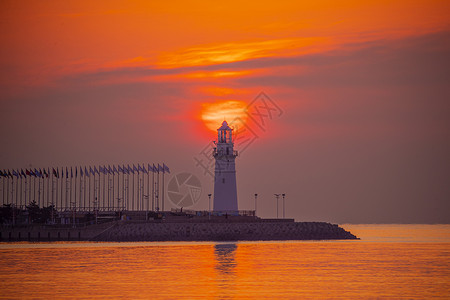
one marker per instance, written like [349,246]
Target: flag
[81,172]
[110,171]
[71,172]
[45,173]
[130,170]
[160,169]
[76,172]
[96,171]
[67,173]
[144,169]
[36,173]
[9,174]
[150,168]
[86,173]
[23,173]
[166,168]
[15,173]
[54,173]
[1,173]
[120,169]
[135,169]
[155,169]
[140,168]
[115,170]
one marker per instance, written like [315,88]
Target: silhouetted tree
[34,212]
[6,213]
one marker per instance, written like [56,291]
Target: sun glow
[213,114]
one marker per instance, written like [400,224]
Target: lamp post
[283,204]
[209,210]
[277,196]
[256,197]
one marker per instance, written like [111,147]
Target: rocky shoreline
[246,231]
[188,230]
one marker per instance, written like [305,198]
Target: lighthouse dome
[224,126]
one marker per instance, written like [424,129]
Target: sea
[388,262]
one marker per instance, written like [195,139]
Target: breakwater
[124,231]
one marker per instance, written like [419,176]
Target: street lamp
[283,203]
[277,196]
[209,213]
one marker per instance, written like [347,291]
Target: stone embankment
[124,231]
[233,231]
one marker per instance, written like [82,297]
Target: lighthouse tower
[225,193]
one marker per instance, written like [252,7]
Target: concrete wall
[51,233]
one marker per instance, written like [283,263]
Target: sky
[343,105]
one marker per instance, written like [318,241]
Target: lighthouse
[225,192]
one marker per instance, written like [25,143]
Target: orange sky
[47,39]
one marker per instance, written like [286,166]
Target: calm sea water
[390,261]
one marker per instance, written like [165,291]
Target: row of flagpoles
[87,188]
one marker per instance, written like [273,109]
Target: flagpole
[75,196]
[109,207]
[17,186]
[65,202]
[162,199]
[3,191]
[55,190]
[34,189]
[7,190]
[139,192]
[89,192]
[21,190]
[123,187]
[153,189]
[52,177]
[132,188]
[111,189]
[140,196]
[128,189]
[118,185]
[39,191]
[81,206]
[157,190]
[70,189]
[84,185]
[148,187]
[48,186]
[132,191]
[61,189]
